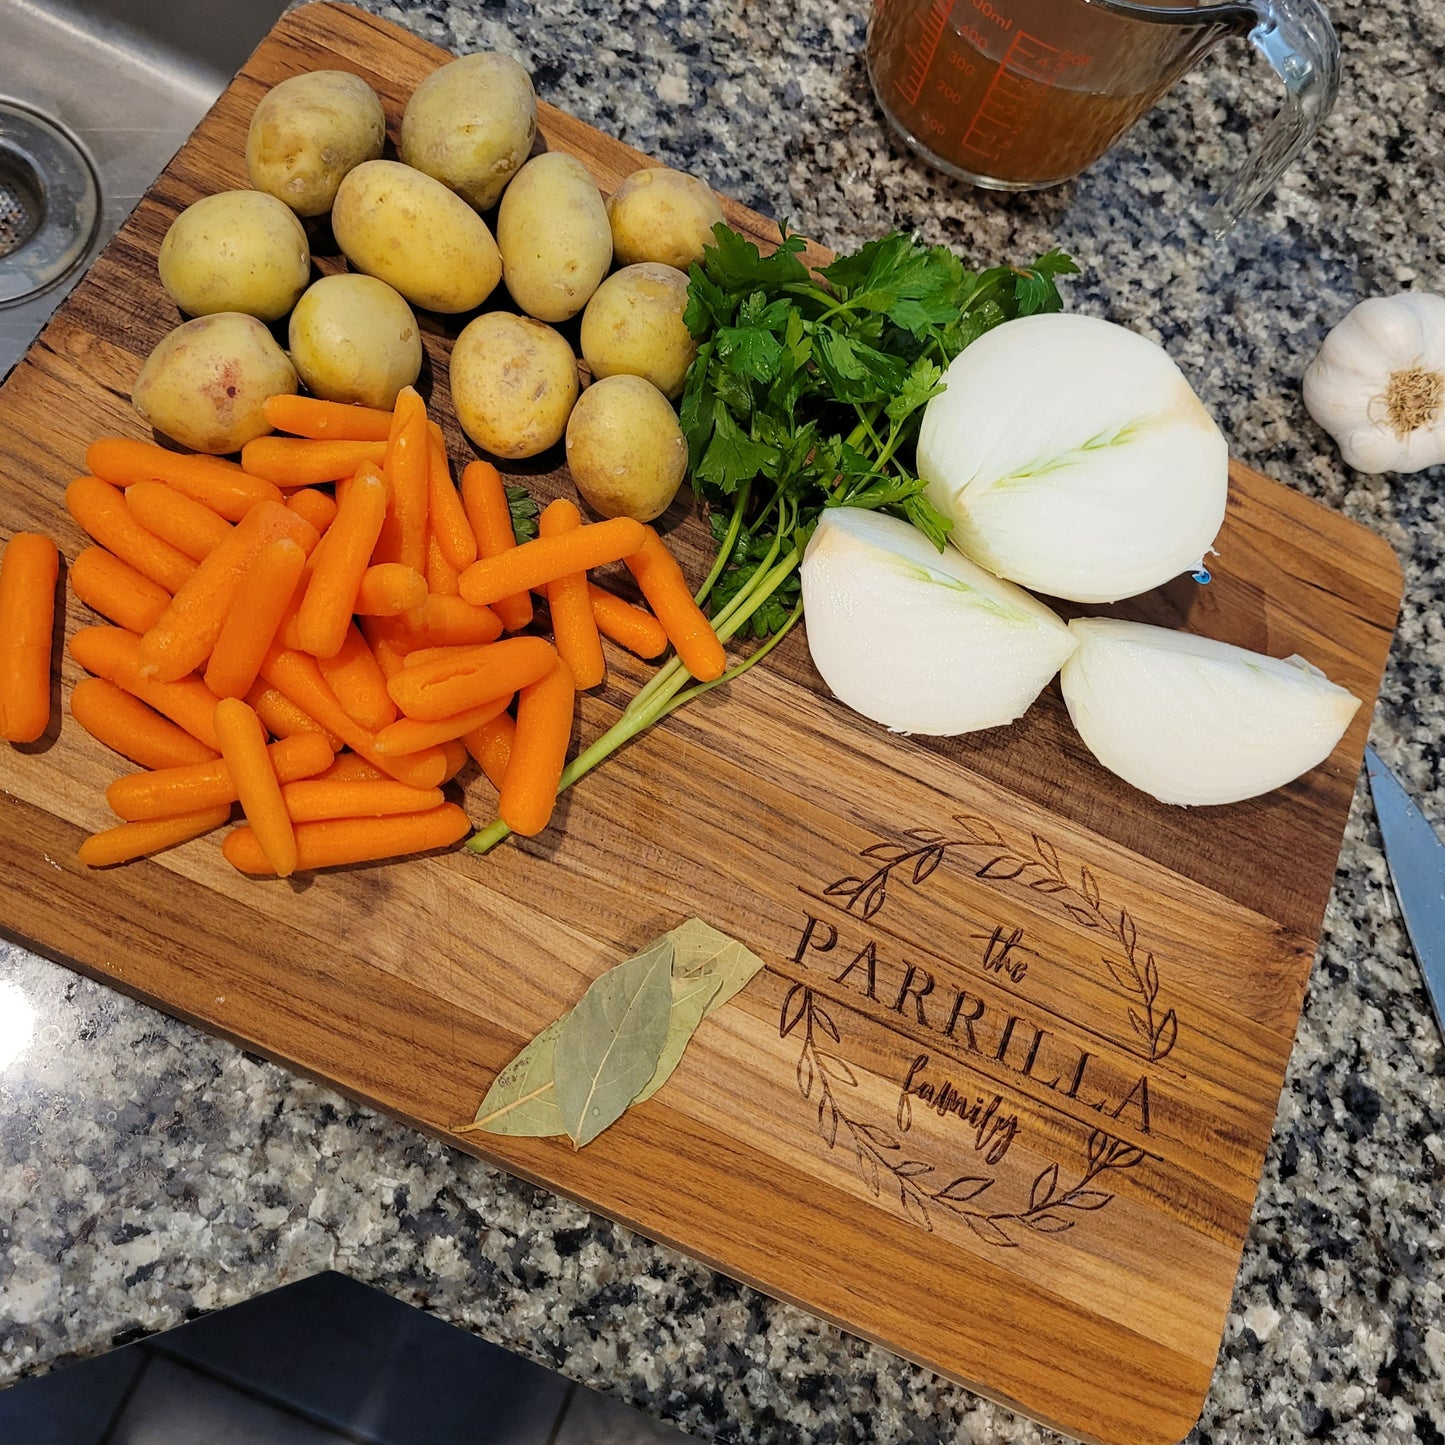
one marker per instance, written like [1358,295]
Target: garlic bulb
[920,640]
[1378,383]
[1190,720]
[1073,457]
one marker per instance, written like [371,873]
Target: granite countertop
[149,1172]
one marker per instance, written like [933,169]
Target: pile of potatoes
[609,272]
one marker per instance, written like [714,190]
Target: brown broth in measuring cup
[1015,94]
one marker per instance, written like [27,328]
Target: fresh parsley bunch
[808,391]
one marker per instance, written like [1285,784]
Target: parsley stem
[725,547]
[865,421]
[668,671]
[756,655]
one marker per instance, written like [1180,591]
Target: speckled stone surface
[148,1172]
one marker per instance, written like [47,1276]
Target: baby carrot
[491,746]
[351,767]
[114,654]
[316,799]
[455,753]
[407,465]
[685,623]
[282,718]
[390,640]
[534,563]
[449,622]
[189,526]
[165,792]
[29,569]
[539,749]
[338,841]
[299,677]
[101,511]
[309,416]
[446,513]
[356,678]
[631,627]
[126,725]
[221,485]
[484,495]
[574,628]
[315,506]
[299,462]
[441,577]
[468,677]
[407,735]
[243,749]
[135,840]
[183,637]
[463,653]
[389,588]
[340,562]
[254,615]
[116,590]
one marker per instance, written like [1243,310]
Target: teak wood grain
[1001,1097]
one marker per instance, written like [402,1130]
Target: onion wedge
[919,640]
[1192,721]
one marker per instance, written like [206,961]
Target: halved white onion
[1190,720]
[918,640]
[1073,457]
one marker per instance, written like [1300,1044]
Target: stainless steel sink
[96,96]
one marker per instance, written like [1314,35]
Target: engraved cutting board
[1001,1098]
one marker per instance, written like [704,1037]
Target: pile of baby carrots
[326,631]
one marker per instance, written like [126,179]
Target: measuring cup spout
[1297,39]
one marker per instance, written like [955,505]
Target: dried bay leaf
[608,1046]
[708,968]
[688,974]
[700,949]
[691,1001]
[523,1098]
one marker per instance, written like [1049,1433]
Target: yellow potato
[625,449]
[514,382]
[471,125]
[235,251]
[633,326]
[662,215]
[354,339]
[308,132]
[423,240]
[205,383]
[555,242]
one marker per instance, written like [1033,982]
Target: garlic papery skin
[1377,384]
[1192,721]
[919,640]
[1073,457]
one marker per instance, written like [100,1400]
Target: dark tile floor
[320,1362]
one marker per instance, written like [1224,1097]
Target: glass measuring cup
[1019,94]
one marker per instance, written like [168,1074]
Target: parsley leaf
[732,457]
[523,510]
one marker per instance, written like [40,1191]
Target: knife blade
[1416,858]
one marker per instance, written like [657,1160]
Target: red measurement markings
[1025,75]
[920,54]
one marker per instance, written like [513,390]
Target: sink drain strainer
[49,203]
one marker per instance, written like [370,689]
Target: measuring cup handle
[1297,39]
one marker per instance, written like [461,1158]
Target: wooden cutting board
[1001,1097]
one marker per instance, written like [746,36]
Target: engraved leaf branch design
[1136,975]
[882,1162]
